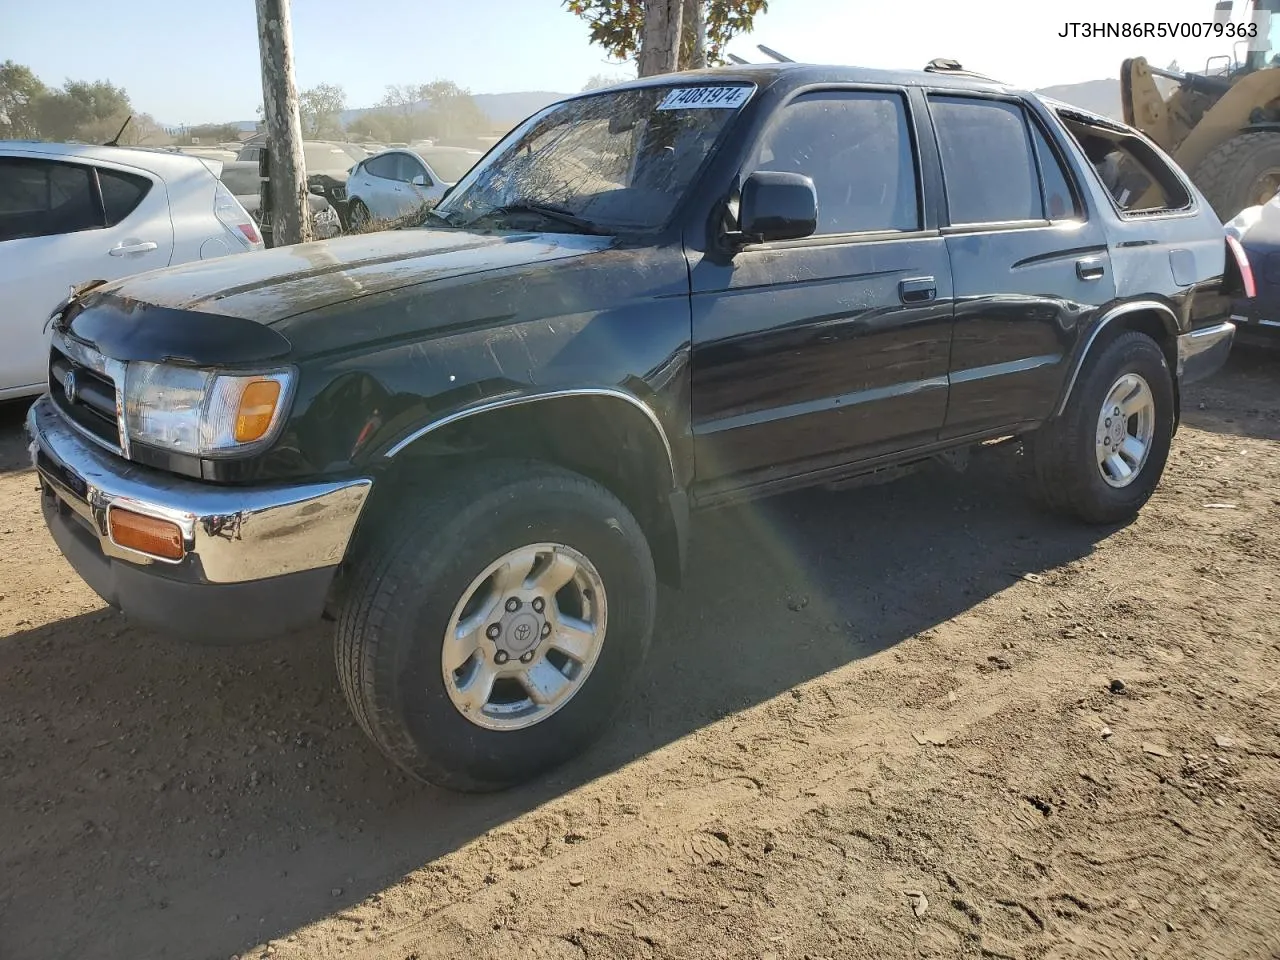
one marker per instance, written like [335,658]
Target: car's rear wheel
[1101,460]
[493,633]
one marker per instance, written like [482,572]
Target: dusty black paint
[768,365]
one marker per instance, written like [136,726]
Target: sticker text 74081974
[694,98]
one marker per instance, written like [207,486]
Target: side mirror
[777,206]
[420,180]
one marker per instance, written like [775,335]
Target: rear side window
[857,149]
[121,193]
[1139,181]
[384,166]
[988,166]
[40,198]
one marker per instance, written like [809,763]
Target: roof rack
[945,65]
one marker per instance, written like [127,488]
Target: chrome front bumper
[245,547]
[1202,353]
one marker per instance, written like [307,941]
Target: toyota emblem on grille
[69,385]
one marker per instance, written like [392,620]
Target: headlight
[203,413]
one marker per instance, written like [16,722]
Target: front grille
[90,401]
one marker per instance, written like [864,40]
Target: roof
[800,74]
[159,161]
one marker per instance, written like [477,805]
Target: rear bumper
[258,561]
[1202,353]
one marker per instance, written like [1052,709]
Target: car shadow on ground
[224,797]
[13,440]
[1242,399]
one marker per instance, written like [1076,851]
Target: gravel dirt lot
[913,720]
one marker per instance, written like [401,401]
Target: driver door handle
[134,246]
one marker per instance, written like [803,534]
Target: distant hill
[1096,96]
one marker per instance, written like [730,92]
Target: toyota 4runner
[475,444]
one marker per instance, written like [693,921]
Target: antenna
[733,57]
[115,141]
[773,54]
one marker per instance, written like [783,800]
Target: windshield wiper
[566,217]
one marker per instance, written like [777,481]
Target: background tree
[213,133]
[616,25]
[20,94]
[81,110]
[601,80]
[660,37]
[320,109]
[419,111]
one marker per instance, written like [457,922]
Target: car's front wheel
[492,634]
[361,219]
[1101,460]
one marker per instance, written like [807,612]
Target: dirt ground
[912,720]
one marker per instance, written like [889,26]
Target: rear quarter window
[1139,182]
[121,193]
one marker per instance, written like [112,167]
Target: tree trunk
[694,44]
[290,222]
[660,37]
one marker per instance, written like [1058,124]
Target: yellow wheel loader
[1221,126]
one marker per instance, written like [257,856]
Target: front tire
[360,218]
[492,635]
[1101,460]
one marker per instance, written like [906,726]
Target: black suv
[476,444]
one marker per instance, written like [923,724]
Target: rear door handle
[918,290]
[138,246]
[1090,268]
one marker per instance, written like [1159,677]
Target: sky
[188,62]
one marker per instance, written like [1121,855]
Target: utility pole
[660,37]
[290,222]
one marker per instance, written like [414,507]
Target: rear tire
[411,593]
[1240,172]
[1078,460]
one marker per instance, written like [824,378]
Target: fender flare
[1104,322]
[499,403]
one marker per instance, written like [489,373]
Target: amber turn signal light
[150,535]
[257,410]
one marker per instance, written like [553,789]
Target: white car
[71,213]
[396,182]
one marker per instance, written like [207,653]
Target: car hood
[189,312]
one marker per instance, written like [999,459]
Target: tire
[411,584]
[1238,172]
[1064,459]
[359,218]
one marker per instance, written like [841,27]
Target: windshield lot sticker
[701,98]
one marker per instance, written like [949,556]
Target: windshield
[241,178]
[449,165]
[622,159]
[329,157]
